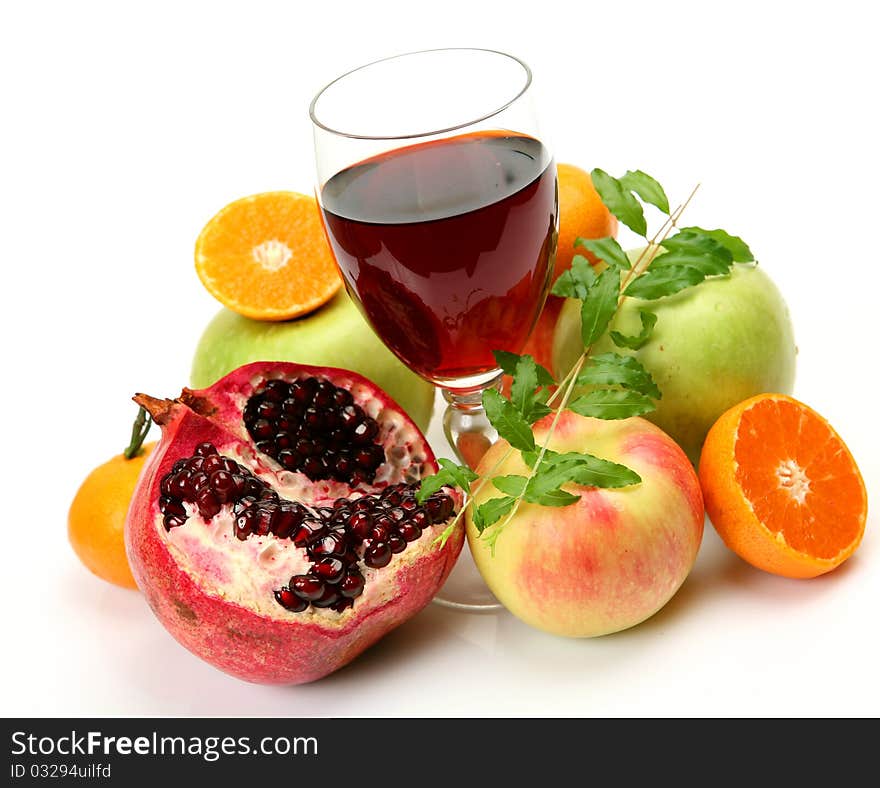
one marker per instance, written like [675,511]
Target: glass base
[469,434]
[465,589]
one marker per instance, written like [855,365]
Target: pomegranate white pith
[249,571]
[216,590]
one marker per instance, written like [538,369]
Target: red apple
[612,559]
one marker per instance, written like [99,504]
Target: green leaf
[510,485]
[707,263]
[620,201]
[509,422]
[577,280]
[583,469]
[606,249]
[635,342]
[596,472]
[525,381]
[694,242]
[491,512]
[735,245]
[663,281]
[612,404]
[556,498]
[549,476]
[647,188]
[599,306]
[614,369]
[508,361]
[461,475]
[537,412]
[531,457]
[451,474]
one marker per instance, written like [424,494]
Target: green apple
[713,346]
[336,335]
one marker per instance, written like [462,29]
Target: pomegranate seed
[329,598]
[290,460]
[244,523]
[265,521]
[286,519]
[288,600]
[409,531]
[267,447]
[173,507]
[329,569]
[307,587]
[439,507]
[205,450]
[397,513]
[283,440]
[308,532]
[377,555]
[332,544]
[172,521]
[208,504]
[350,416]
[222,483]
[324,395]
[391,495]
[199,481]
[420,518]
[314,468]
[301,392]
[342,397]
[268,410]
[275,391]
[447,506]
[180,486]
[396,543]
[212,463]
[364,431]
[360,524]
[352,585]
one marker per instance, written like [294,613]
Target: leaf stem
[447,532]
[496,529]
[142,423]
[648,254]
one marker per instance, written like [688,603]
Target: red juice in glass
[447,246]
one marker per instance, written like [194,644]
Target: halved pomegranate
[275,531]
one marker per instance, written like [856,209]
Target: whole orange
[96,520]
[582,214]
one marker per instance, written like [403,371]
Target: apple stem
[142,423]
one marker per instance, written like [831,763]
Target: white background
[126,126]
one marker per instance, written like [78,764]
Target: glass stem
[467,429]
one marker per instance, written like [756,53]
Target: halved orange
[781,487]
[266,257]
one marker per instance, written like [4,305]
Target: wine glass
[440,204]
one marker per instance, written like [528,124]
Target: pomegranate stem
[142,423]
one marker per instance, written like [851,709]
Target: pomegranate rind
[235,638]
